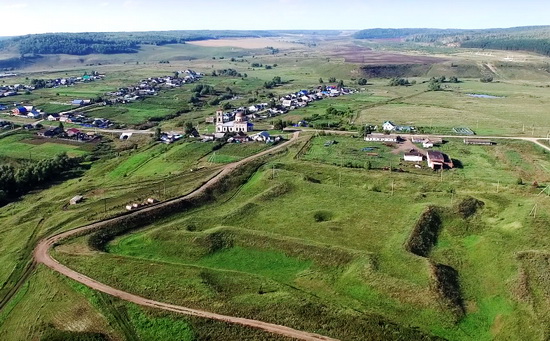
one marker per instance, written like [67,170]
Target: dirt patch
[446,285]
[396,70]
[245,43]
[425,232]
[406,147]
[364,55]
[39,141]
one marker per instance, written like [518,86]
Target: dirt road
[42,255]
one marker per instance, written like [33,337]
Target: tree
[332,80]
[340,84]
[362,81]
[321,81]
[189,127]
[486,79]
[434,85]
[156,136]
[61,126]
[453,79]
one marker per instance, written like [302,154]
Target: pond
[483,96]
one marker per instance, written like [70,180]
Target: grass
[304,243]
[27,146]
[351,152]
[378,276]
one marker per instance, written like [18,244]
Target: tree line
[109,43]
[541,46]
[16,181]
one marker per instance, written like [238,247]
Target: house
[479,142]
[413,156]
[34,115]
[208,137]
[209,119]
[75,200]
[438,160]
[20,111]
[53,117]
[389,126]
[72,132]
[52,132]
[77,102]
[380,137]
[264,137]
[427,144]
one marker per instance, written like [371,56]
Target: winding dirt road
[42,255]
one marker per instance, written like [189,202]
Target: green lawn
[27,146]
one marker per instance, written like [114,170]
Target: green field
[27,146]
[317,237]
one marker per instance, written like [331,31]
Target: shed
[75,200]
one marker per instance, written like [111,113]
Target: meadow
[347,252]
[315,239]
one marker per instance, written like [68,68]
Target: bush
[321,216]
[468,207]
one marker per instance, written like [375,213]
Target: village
[151,86]
[410,145]
[17,89]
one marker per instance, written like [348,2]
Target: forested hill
[528,38]
[109,43]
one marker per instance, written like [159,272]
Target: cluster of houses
[28,111]
[303,97]
[81,119]
[151,86]
[12,90]
[69,134]
[15,89]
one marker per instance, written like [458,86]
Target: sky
[41,16]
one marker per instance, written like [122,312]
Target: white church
[240,124]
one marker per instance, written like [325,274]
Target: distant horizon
[283,30]
[66,16]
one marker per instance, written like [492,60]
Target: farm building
[438,160]
[380,137]
[75,200]
[424,139]
[479,142]
[413,157]
[390,126]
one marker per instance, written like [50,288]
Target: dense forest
[541,46]
[18,180]
[529,38]
[109,43]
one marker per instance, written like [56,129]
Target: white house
[413,157]
[389,126]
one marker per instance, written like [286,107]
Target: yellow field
[246,43]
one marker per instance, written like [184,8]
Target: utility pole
[392,187]
[340,179]
[164,189]
[105,205]
[498,185]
